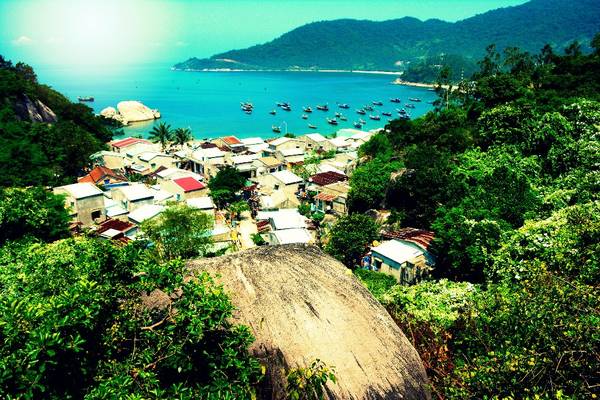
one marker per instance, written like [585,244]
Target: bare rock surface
[34,111]
[134,111]
[301,305]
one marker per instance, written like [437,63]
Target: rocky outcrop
[301,305]
[33,111]
[130,111]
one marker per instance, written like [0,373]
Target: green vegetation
[163,134]
[225,184]
[181,136]
[309,383]
[506,173]
[351,237]
[366,45]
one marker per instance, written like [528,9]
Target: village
[295,190]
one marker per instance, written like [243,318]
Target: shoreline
[338,71]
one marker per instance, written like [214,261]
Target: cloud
[181,44]
[22,41]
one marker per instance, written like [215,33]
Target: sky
[129,32]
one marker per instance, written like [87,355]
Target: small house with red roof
[102,175]
[185,188]
[230,143]
[122,145]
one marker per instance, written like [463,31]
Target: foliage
[309,383]
[225,184]
[258,240]
[182,136]
[161,133]
[180,231]
[76,322]
[32,212]
[368,184]
[350,237]
[377,283]
[237,208]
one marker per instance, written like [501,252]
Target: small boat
[246,105]
[248,112]
[377,103]
[332,121]
[375,117]
[409,106]
[282,104]
[402,112]
[431,102]
[286,108]
[395,100]
[323,107]
[344,105]
[273,112]
[311,126]
[368,108]
[304,116]
[276,129]
[361,111]
[357,125]
[387,114]
[342,118]
[85,98]
[307,109]
[337,114]
[415,100]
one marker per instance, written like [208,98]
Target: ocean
[209,102]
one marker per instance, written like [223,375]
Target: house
[145,213]
[205,204]
[287,226]
[102,175]
[114,229]
[134,196]
[230,143]
[84,201]
[339,144]
[122,145]
[281,180]
[290,156]
[185,188]
[153,160]
[315,141]
[243,163]
[321,179]
[165,174]
[286,143]
[206,162]
[110,159]
[253,141]
[290,236]
[267,165]
[405,256]
[114,209]
[332,198]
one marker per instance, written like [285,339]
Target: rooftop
[128,142]
[244,159]
[270,161]
[203,203]
[211,152]
[287,177]
[231,140]
[81,190]
[339,142]
[279,141]
[145,213]
[149,155]
[327,178]
[291,152]
[316,137]
[137,192]
[99,173]
[189,184]
[287,220]
[252,141]
[397,251]
[420,237]
[289,236]
[121,226]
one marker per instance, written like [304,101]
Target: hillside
[352,44]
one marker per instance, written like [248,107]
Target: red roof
[189,184]
[326,197]
[327,178]
[128,142]
[207,145]
[419,237]
[99,173]
[115,224]
[231,140]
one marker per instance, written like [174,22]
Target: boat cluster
[248,108]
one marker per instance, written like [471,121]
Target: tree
[179,231]
[225,184]
[161,134]
[350,238]
[237,208]
[595,44]
[181,136]
[369,184]
[32,212]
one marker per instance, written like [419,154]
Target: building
[185,188]
[406,256]
[325,178]
[100,175]
[114,229]
[165,174]
[206,162]
[110,159]
[122,145]
[243,163]
[281,180]
[145,213]
[267,165]
[339,144]
[134,196]
[286,226]
[230,143]
[286,143]
[315,141]
[84,201]
[290,156]
[153,160]
[332,198]
[205,204]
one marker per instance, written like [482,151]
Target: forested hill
[353,44]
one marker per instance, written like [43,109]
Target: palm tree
[181,136]
[161,134]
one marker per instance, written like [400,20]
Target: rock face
[34,111]
[134,111]
[301,305]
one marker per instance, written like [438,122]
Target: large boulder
[134,111]
[301,305]
[33,111]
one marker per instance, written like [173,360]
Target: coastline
[338,71]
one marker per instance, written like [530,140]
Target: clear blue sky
[55,32]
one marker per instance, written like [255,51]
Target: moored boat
[377,103]
[323,107]
[276,129]
[85,98]
[357,125]
[343,118]
[409,106]
[272,112]
[304,116]
[332,121]
[415,100]
[344,105]
[286,107]
[361,111]
[375,117]
[387,114]
[395,100]
[311,126]
[307,109]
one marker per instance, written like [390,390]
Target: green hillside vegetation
[506,172]
[367,45]
[34,153]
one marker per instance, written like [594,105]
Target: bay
[209,102]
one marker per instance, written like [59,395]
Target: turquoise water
[209,102]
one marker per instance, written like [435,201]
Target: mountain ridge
[351,44]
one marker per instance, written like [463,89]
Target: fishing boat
[272,112]
[409,106]
[323,107]
[362,121]
[276,129]
[246,105]
[357,125]
[337,114]
[248,112]
[395,100]
[342,118]
[283,104]
[304,116]
[344,105]
[375,117]
[307,109]
[387,114]
[402,112]
[332,121]
[377,103]
[415,100]
[361,111]
[311,126]
[368,108]
[86,98]
[286,107]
